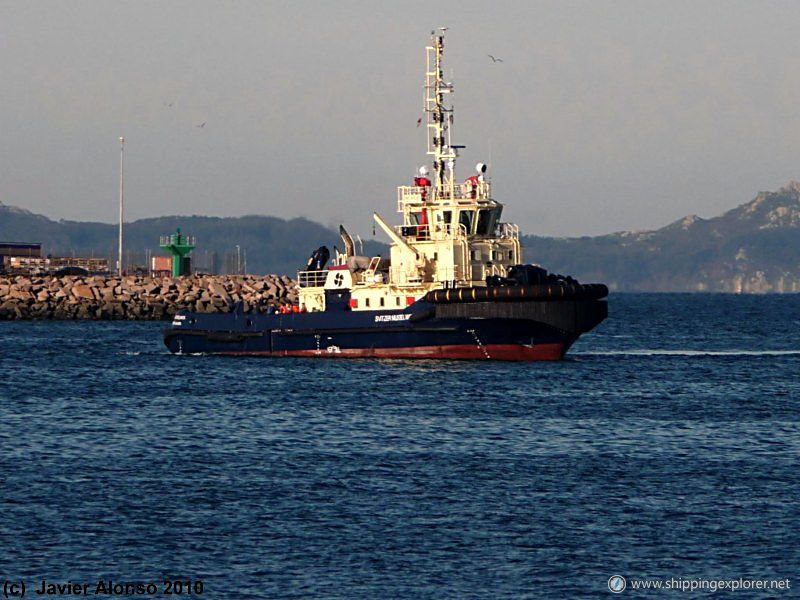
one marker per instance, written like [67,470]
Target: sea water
[665,446]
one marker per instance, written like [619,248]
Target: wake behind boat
[454,285]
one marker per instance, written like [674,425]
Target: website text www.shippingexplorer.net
[618,584]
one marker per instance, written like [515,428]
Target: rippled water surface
[667,445]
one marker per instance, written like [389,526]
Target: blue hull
[485,330]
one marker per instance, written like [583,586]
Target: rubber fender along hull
[539,292]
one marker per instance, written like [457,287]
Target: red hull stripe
[461,352]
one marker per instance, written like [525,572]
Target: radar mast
[439,117]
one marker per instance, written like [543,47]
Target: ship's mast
[439,117]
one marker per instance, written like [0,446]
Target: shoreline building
[11,252]
[25,258]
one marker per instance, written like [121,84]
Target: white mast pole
[438,117]
[121,196]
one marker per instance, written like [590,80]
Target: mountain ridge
[752,248]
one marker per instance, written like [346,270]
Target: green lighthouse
[179,246]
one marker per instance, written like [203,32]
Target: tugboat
[453,287]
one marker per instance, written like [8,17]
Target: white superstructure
[451,234]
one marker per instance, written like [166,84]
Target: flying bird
[419,121]
[203,124]
[495,60]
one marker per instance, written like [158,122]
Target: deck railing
[176,240]
[509,231]
[463,192]
[312,278]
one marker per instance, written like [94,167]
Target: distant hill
[752,248]
[269,244]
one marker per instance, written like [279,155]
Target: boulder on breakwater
[138,298]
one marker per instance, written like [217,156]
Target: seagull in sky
[495,60]
[203,124]
[419,121]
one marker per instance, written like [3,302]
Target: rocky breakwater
[138,298]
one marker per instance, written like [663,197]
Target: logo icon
[617,584]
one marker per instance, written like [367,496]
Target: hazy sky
[603,116]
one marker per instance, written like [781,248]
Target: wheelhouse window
[484,217]
[487,222]
[466,218]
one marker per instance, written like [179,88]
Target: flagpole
[121,193]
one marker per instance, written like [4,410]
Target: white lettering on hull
[384,318]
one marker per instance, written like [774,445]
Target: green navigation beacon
[179,246]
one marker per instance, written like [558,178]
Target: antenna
[439,118]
